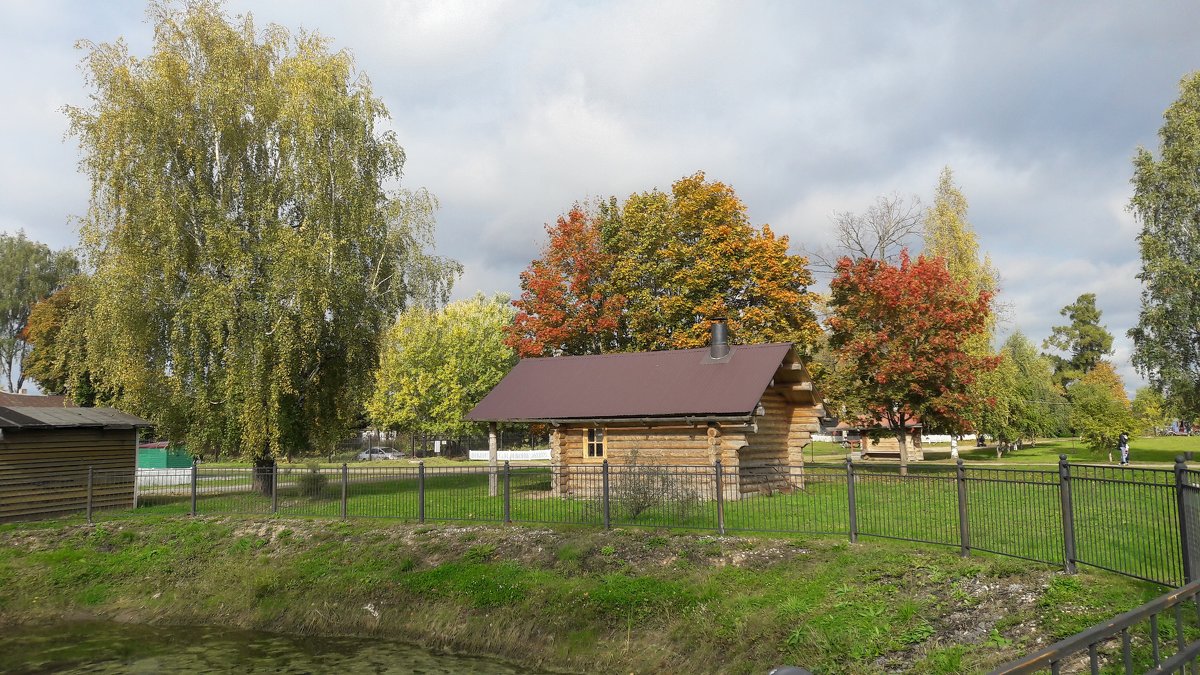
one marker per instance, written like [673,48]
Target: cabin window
[595,443]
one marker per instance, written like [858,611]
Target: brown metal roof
[678,383]
[8,400]
[40,417]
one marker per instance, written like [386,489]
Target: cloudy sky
[510,111]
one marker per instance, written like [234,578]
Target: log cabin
[752,407]
[46,451]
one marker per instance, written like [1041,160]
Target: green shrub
[312,482]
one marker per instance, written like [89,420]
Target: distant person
[1123,446]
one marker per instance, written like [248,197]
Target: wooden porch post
[491,459]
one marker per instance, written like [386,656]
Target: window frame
[589,443]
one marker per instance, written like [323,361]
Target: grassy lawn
[1143,450]
[626,600]
[349,460]
[1122,526]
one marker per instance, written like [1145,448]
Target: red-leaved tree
[562,310]
[900,338]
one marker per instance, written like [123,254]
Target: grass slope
[585,601]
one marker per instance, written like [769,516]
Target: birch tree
[248,243]
[1166,203]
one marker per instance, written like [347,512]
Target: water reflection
[101,647]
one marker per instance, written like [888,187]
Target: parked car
[378,453]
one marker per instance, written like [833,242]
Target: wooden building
[878,440]
[750,406]
[46,451]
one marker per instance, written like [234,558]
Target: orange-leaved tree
[563,308]
[667,263]
[901,337]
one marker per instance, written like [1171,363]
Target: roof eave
[675,419]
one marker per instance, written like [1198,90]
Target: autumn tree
[248,252]
[682,258]
[949,236]
[900,335]
[1084,341]
[880,232]
[29,272]
[564,307]
[665,265]
[57,335]
[1166,203]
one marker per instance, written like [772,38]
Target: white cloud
[512,110]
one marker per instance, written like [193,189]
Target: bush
[638,489]
[313,482]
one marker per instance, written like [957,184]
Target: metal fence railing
[1142,523]
[1161,636]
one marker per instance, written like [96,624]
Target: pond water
[104,647]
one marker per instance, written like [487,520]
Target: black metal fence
[1158,637]
[1142,523]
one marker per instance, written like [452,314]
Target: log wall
[765,458]
[43,472]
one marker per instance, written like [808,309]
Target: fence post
[421,491]
[604,495]
[193,487]
[274,487]
[1068,514]
[850,499]
[720,499]
[345,490]
[1181,508]
[507,493]
[964,525]
[89,495]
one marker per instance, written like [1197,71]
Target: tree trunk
[264,474]
[903,438]
[492,459]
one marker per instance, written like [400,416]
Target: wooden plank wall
[43,472]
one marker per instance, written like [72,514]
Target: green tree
[1149,411]
[29,272]
[1029,405]
[998,413]
[1084,341]
[1100,408]
[1166,202]
[247,251]
[437,364]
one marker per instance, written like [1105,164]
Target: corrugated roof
[677,383]
[21,417]
[8,400]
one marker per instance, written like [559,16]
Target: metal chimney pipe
[718,346]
